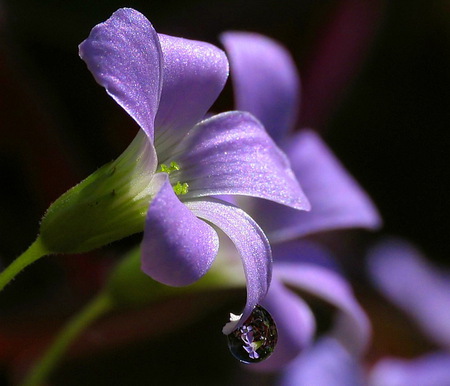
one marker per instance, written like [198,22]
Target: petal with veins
[337,201]
[177,248]
[125,57]
[231,153]
[194,75]
[250,242]
[265,80]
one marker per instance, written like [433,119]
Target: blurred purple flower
[167,84]
[327,363]
[422,292]
[431,369]
[266,84]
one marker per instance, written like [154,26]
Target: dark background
[375,74]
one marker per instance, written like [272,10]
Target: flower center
[180,188]
[169,169]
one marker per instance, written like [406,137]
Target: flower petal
[194,75]
[336,199]
[428,370]
[351,325]
[327,363]
[250,242]
[422,291]
[295,324]
[231,153]
[265,80]
[125,57]
[302,251]
[177,248]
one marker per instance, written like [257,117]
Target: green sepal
[107,206]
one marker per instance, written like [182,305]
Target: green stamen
[181,188]
[169,169]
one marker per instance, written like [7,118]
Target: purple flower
[432,369]
[273,97]
[402,274]
[266,84]
[422,291]
[167,84]
[327,363]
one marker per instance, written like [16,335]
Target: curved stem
[33,253]
[100,305]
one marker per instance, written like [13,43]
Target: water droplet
[255,340]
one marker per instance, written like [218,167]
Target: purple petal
[250,242]
[124,55]
[301,251]
[177,248]
[351,325]
[194,75]
[265,80]
[428,370]
[327,363]
[336,199]
[419,289]
[232,154]
[295,323]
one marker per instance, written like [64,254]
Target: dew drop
[255,340]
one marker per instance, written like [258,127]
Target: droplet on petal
[255,340]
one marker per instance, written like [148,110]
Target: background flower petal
[125,57]
[251,244]
[422,291]
[177,248]
[428,370]
[303,251]
[337,201]
[351,326]
[327,363]
[194,75]
[295,323]
[265,80]
[231,153]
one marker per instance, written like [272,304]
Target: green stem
[100,305]
[33,253]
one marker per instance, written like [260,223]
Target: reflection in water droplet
[255,340]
